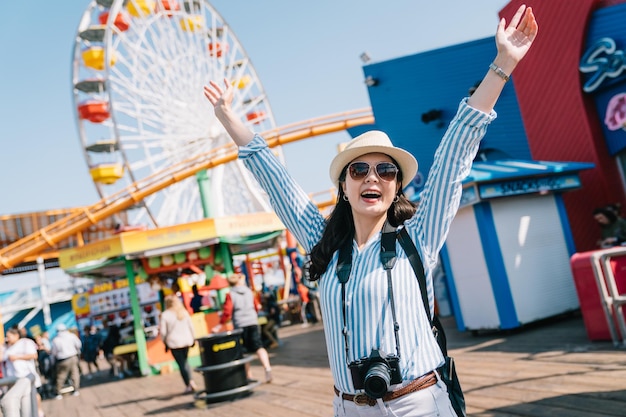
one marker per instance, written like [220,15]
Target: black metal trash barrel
[218,349]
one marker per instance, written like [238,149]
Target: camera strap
[388,259]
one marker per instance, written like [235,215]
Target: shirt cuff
[256,144]
[474,117]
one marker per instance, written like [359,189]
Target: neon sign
[602,60]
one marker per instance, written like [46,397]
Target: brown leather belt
[420,383]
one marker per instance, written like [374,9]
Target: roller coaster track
[82,218]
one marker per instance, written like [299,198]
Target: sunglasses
[386,171]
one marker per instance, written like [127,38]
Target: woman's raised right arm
[221,99]
[294,208]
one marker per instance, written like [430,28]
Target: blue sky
[306,55]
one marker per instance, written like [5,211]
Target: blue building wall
[409,86]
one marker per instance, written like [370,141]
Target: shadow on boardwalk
[548,368]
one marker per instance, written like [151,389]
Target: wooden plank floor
[544,369]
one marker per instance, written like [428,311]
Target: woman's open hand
[222,98]
[515,40]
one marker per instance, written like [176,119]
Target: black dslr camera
[376,373]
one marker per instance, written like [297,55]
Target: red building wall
[560,120]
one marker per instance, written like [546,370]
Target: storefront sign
[249,224]
[603,73]
[529,186]
[603,60]
[104,249]
[164,237]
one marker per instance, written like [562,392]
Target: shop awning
[506,169]
[106,268]
[241,245]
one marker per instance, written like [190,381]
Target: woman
[176,330]
[370,174]
[19,358]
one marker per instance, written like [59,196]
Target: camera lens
[377,380]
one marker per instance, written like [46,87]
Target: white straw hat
[374,141]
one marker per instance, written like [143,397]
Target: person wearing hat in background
[370,174]
[66,348]
[240,307]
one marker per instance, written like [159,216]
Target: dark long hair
[340,226]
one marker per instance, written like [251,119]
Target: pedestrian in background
[92,344]
[196,300]
[241,308]
[612,226]
[45,363]
[66,349]
[19,357]
[119,364]
[176,330]
[271,310]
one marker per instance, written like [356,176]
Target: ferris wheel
[138,71]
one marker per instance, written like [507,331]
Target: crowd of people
[56,366]
[29,359]
[50,368]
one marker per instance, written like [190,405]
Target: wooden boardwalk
[545,369]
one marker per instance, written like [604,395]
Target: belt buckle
[361,399]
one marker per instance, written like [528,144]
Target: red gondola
[120,21]
[96,111]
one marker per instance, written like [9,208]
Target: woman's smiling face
[370,196]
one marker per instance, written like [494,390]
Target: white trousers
[17,402]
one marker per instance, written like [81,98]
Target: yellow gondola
[242,82]
[192,23]
[107,173]
[139,8]
[93,57]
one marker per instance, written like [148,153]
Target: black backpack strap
[344,262]
[416,263]
[344,267]
[388,246]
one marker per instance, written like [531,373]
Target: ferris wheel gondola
[138,71]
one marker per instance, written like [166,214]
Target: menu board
[119,299]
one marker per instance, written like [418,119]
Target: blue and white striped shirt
[369,318]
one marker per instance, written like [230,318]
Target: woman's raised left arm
[512,42]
